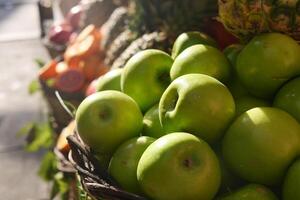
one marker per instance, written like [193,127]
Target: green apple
[291,184]
[261,144]
[267,62]
[234,85]
[179,166]
[124,162]
[201,59]
[288,98]
[251,192]
[236,88]
[232,52]
[110,81]
[189,39]
[248,102]
[152,126]
[198,104]
[229,181]
[107,119]
[102,159]
[146,76]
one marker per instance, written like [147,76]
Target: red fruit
[91,88]
[74,16]
[71,80]
[216,30]
[60,33]
[85,45]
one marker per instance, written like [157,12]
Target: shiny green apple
[201,59]
[110,81]
[288,98]
[267,62]
[198,104]
[260,145]
[152,126]
[291,184]
[251,192]
[189,39]
[146,76]
[179,166]
[124,162]
[107,119]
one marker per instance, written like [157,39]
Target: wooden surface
[18,169]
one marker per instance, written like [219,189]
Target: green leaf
[50,82]
[63,182]
[61,185]
[26,129]
[34,86]
[48,167]
[54,190]
[48,171]
[42,138]
[40,62]
[82,194]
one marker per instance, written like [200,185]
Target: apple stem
[187,163]
[104,113]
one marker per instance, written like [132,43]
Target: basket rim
[64,164]
[95,180]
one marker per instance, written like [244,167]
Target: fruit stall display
[174,106]
[200,124]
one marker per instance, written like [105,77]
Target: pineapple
[118,46]
[156,40]
[114,26]
[245,18]
[96,12]
[156,24]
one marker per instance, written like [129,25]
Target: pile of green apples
[201,124]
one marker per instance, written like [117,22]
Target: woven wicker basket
[94,179]
[65,166]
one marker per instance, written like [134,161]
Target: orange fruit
[86,44]
[93,67]
[48,71]
[62,144]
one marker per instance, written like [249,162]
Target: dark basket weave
[63,164]
[94,179]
